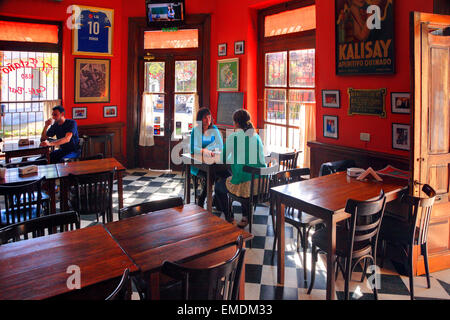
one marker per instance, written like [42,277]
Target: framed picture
[400,102]
[239,47]
[222,49]
[331,99]
[228,74]
[92,80]
[330,127]
[92,31]
[79,113]
[110,111]
[401,136]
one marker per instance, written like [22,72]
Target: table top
[330,193]
[37,268]
[173,234]
[11,147]
[48,171]
[88,166]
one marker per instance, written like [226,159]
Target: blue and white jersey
[94,32]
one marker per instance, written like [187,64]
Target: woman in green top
[205,138]
[243,148]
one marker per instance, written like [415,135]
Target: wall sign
[94,34]
[365,37]
[367,102]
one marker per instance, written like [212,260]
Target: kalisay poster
[365,37]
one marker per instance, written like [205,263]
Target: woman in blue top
[205,138]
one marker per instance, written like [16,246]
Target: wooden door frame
[136,28]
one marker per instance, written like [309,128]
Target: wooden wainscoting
[323,152]
[115,127]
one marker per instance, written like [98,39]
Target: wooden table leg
[209,180]
[52,194]
[331,229]
[120,189]
[280,239]
[187,185]
[63,195]
[7,158]
[154,286]
[242,281]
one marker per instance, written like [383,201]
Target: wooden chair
[261,176]
[303,222]
[353,245]
[22,201]
[287,161]
[81,144]
[410,233]
[123,290]
[220,282]
[105,139]
[38,227]
[336,166]
[92,194]
[148,207]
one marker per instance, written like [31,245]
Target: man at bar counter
[66,132]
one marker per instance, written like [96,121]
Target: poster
[95,31]
[365,37]
[228,74]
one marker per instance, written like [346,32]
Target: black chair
[353,245]
[148,207]
[52,223]
[220,282]
[92,194]
[411,232]
[123,290]
[105,139]
[262,177]
[97,156]
[22,201]
[336,166]
[303,222]
[287,161]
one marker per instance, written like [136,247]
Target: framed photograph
[239,47]
[400,102]
[228,74]
[222,49]
[79,113]
[331,99]
[330,127]
[401,136]
[110,111]
[92,31]
[92,79]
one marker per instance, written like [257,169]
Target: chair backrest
[287,161]
[94,157]
[147,207]
[336,166]
[105,139]
[220,282]
[419,207]
[123,290]
[37,227]
[23,201]
[263,177]
[92,193]
[365,222]
[290,176]
[39,162]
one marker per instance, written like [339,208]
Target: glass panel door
[184,96]
[154,83]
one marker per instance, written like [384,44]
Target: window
[29,77]
[288,79]
[186,38]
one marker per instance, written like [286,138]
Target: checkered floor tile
[260,270]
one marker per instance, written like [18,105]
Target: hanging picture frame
[401,136]
[228,74]
[79,113]
[222,50]
[92,80]
[401,102]
[330,127]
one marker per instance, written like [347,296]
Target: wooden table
[48,171]
[88,167]
[209,165]
[177,235]
[37,268]
[325,198]
[13,150]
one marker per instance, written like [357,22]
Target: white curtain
[146,132]
[48,106]
[310,132]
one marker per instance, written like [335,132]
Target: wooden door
[431,123]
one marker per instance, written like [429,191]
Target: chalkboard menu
[367,102]
[228,103]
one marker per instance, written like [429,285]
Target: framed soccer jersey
[93,32]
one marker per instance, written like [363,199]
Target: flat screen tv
[162,13]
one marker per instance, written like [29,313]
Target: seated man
[66,132]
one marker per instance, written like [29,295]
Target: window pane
[297,20]
[298,101]
[186,38]
[184,117]
[276,105]
[28,32]
[276,69]
[158,102]
[302,68]
[186,76]
[154,77]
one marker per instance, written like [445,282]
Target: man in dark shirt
[66,132]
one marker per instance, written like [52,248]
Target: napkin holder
[369,173]
[354,172]
[28,170]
